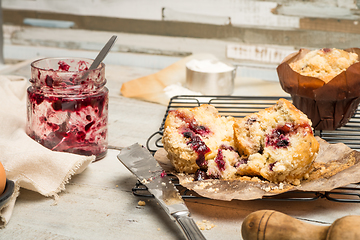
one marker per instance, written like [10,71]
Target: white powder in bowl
[210,66]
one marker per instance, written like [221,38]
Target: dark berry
[250,120]
[225,147]
[188,134]
[261,150]
[279,138]
[49,81]
[57,106]
[80,136]
[242,160]
[192,125]
[198,129]
[63,66]
[88,126]
[198,145]
[219,160]
[282,143]
[200,161]
[200,175]
[271,166]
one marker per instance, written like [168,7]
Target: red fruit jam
[192,131]
[192,125]
[198,145]
[66,112]
[279,137]
[219,160]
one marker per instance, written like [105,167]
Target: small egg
[2,178]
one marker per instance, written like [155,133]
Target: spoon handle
[102,54]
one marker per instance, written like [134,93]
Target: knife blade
[144,166]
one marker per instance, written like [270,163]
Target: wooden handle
[272,225]
[345,228]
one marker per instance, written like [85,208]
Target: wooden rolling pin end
[272,225]
[347,227]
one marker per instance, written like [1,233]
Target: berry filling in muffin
[194,137]
[276,144]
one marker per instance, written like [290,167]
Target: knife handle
[189,227]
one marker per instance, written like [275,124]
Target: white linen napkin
[26,162]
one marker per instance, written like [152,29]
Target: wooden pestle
[273,225]
[345,228]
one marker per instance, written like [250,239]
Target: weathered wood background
[157,32]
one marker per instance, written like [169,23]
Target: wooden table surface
[99,203]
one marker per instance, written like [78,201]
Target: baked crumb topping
[325,63]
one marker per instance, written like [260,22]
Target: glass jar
[67,106]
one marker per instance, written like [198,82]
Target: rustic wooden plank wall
[258,31]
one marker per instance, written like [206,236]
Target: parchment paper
[151,88]
[336,165]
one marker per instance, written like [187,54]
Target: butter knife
[145,167]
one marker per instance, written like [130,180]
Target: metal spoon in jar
[102,54]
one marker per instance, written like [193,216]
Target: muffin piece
[197,137]
[276,143]
[325,63]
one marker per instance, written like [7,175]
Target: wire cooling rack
[241,106]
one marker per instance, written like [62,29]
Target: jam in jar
[67,106]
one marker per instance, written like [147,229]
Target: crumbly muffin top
[325,63]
